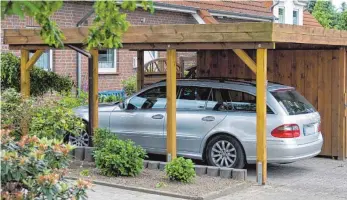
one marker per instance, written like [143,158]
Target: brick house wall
[64,61]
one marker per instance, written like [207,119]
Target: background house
[117,65]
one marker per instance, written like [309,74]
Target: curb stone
[145,164]
[153,165]
[213,171]
[88,154]
[225,172]
[200,170]
[162,165]
[79,153]
[239,174]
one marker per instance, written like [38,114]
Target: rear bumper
[289,152]
[293,152]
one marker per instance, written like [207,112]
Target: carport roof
[246,35]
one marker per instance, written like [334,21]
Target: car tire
[225,151]
[81,140]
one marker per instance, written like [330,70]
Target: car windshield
[293,102]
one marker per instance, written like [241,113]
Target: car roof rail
[220,79]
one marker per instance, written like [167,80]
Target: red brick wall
[64,61]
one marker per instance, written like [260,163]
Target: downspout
[78,56]
[271,9]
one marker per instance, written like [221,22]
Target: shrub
[41,81]
[180,169]
[130,85]
[45,119]
[33,168]
[119,158]
[69,101]
[101,135]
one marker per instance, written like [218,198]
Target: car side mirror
[121,105]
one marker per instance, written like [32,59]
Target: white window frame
[297,17]
[110,70]
[284,15]
[50,60]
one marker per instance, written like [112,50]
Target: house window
[281,16]
[150,55]
[45,61]
[108,61]
[295,17]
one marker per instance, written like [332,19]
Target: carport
[311,59]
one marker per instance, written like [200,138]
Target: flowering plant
[33,168]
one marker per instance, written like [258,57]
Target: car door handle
[158,116]
[208,119]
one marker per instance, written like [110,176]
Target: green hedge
[41,81]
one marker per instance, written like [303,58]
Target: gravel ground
[201,186]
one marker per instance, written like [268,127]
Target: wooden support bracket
[246,59]
[33,59]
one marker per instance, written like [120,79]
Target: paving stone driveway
[317,178]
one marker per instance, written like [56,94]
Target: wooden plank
[342,107]
[299,75]
[261,112]
[140,70]
[270,65]
[245,58]
[171,104]
[33,59]
[335,103]
[324,100]
[197,46]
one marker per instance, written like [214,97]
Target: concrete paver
[316,178]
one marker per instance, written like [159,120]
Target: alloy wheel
[81,140]
[223,153]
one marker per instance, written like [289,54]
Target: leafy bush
[41,81]
[33,168]
[101,135]
[119,158]
[69,101]
[130,85]
[109,99]
[180,169]
[46,119]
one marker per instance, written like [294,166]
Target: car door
[143,119]
[194,121]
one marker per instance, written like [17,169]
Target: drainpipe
[271,9]
[91,103]
[78,56]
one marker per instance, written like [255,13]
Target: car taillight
[319,127]
[286,131]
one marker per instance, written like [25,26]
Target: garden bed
[203,187]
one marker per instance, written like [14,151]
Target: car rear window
[293,102]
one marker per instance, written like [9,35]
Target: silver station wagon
[216,122]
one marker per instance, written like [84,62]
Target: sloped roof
[310,21]
[257,8]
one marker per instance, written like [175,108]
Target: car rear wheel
[82,139]
[225,151]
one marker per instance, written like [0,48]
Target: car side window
[193,98]
[219,100]
[245,102]
[154,98]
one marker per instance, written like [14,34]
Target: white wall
[289,6]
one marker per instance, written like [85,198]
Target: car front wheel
[80,140]
[225,151]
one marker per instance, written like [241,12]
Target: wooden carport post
[261,81]
[140,70]
[25,66]
[171,104]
